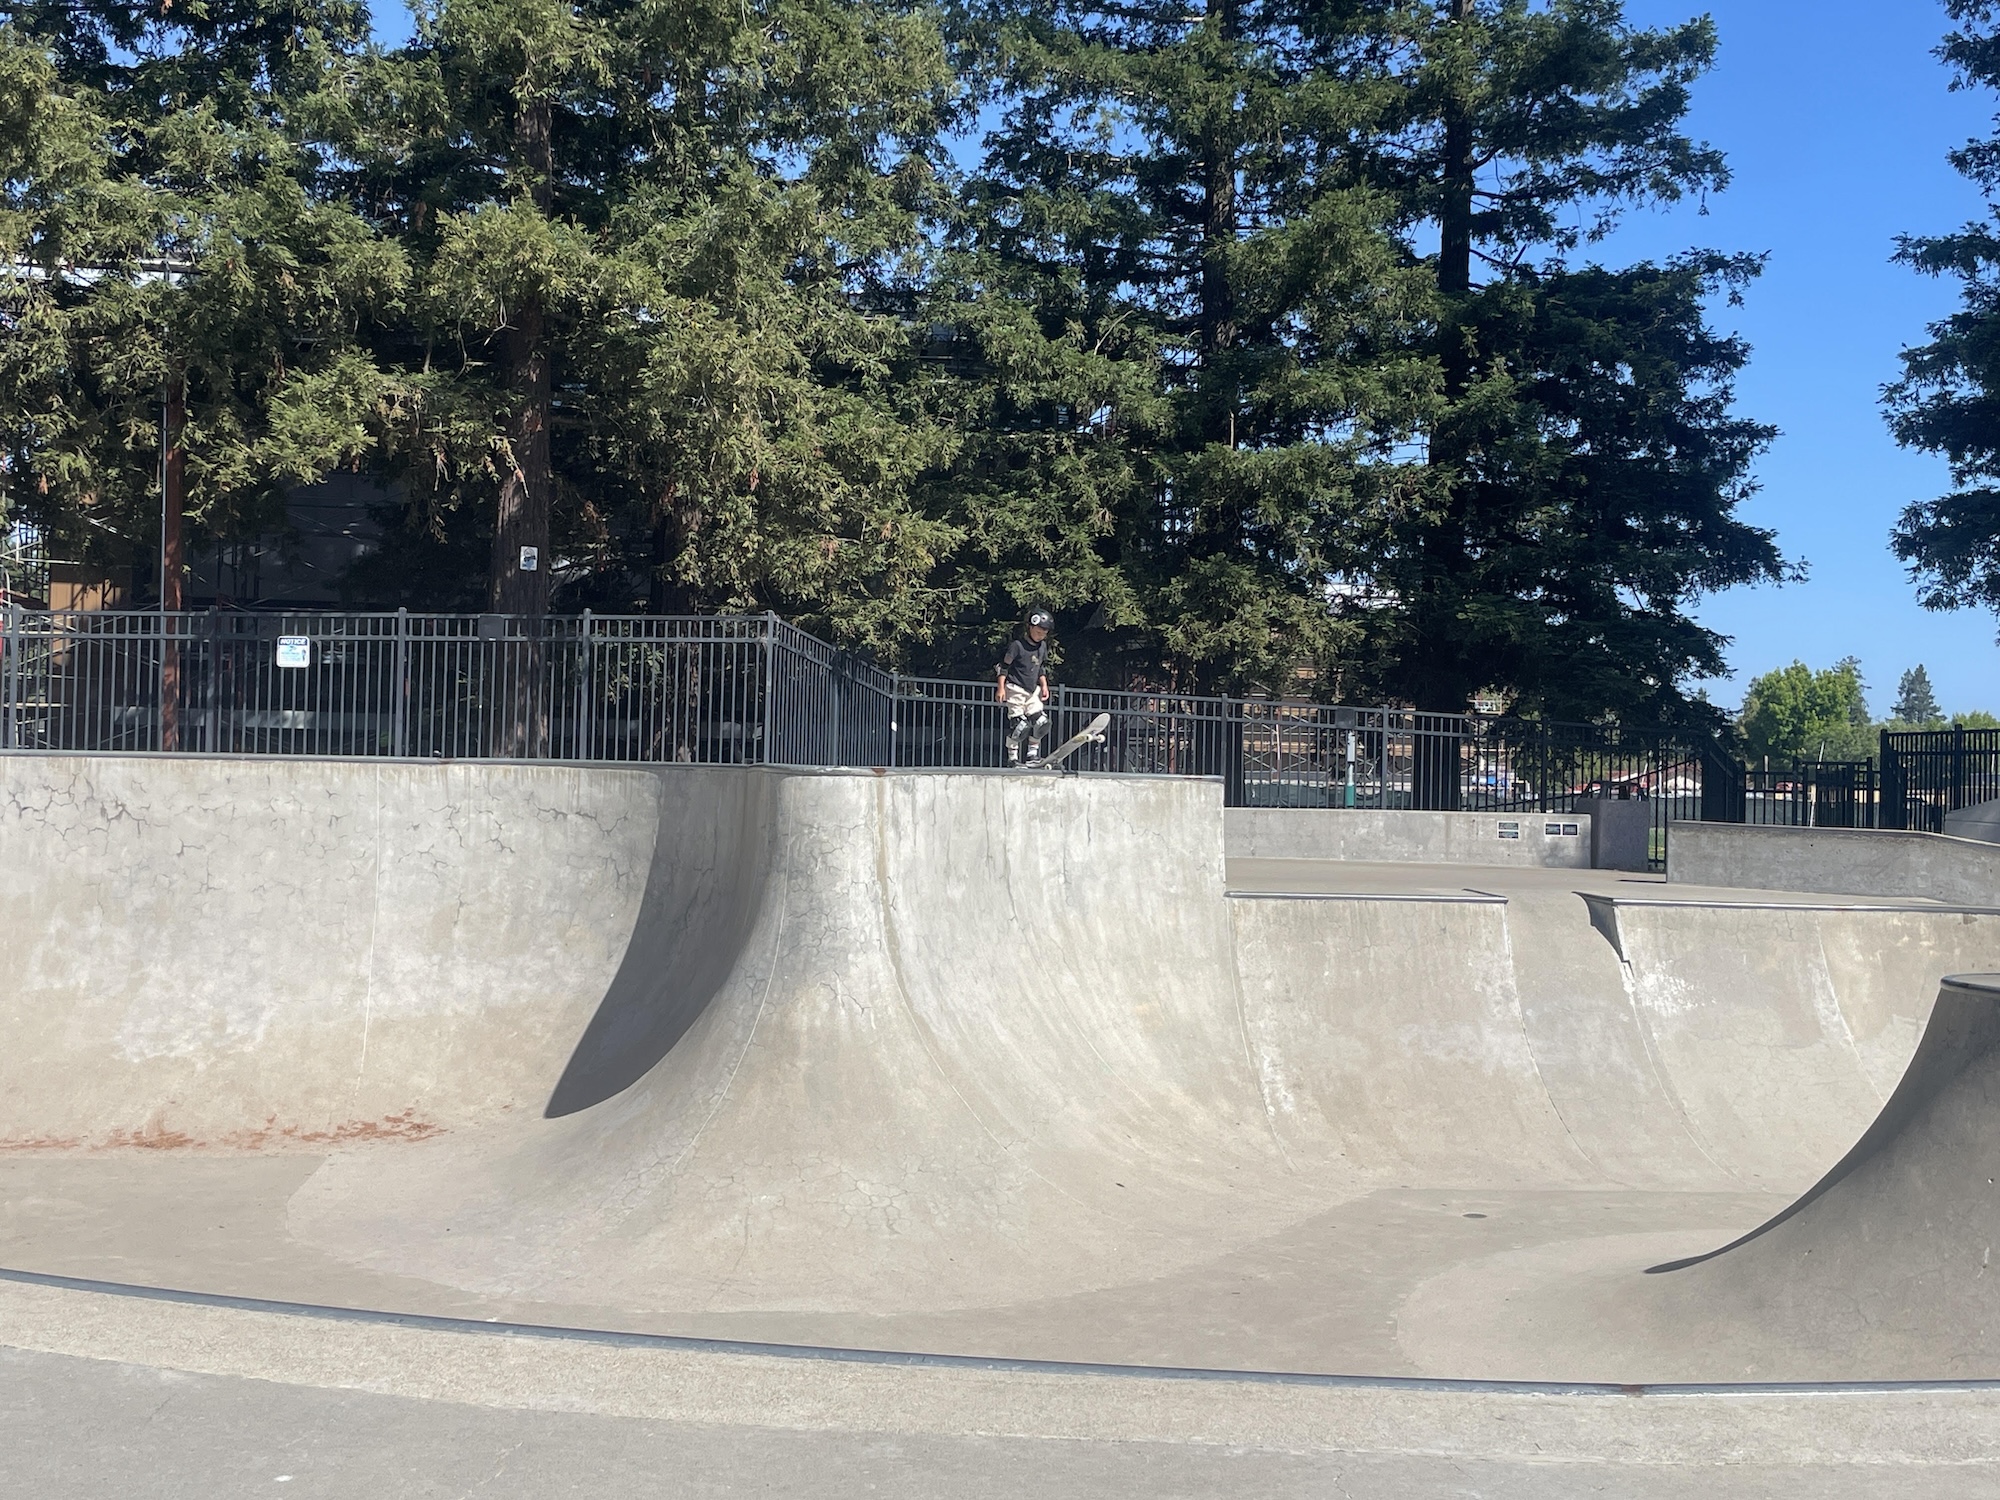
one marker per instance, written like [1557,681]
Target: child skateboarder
[1024,688]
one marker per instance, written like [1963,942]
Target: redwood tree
[1587,462]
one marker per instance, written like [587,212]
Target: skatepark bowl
[959,1132]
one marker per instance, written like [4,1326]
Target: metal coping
[680,1343]
[1468,897]
[502,762]
[1475,897]
[1914,904]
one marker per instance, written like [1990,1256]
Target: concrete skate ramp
[703,895]
[945,1060]
[1914,1169]
[1884,1265]
[1888,1259]
[980,1044]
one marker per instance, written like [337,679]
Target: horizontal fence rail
[738,690]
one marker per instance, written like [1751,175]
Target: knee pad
[1038,727]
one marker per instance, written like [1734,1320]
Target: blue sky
[1836,119]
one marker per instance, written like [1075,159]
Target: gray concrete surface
[1838,861]
[248,951]
[1427,838]
[1925,1432]
[1981,821]
[78,1429]
[966,1063]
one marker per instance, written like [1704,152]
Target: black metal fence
[1811,794]
[1929,773]
[742,690]
[457,686]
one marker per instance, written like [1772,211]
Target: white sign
[1510,830]
[295,651]
[531,559]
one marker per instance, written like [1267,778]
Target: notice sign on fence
[295,651]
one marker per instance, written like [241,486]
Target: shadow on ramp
[703,895]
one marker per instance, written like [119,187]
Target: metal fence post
[212,733]
[835,679]
[10,676]
[398,713]
[586,740]
[1889,791]
[1955,798]
[766,710]
[1233,789]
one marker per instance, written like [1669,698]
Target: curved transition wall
[758,1039]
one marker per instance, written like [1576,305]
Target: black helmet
[1042,619]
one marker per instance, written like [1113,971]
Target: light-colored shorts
[1022,704]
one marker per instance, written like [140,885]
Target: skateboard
[1091,734]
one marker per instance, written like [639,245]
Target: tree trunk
[1218,240]
[519,574]
[173,500]
[1437,672]
[173,491]
[527,489]
[1437,677]
[1455,215]
[674,521]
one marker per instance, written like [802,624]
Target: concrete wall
[1836,861]
[249,952]
[1462,838]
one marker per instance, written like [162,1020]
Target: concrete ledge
[1432,838]
[1840,861]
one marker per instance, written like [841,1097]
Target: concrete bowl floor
[1332,1294]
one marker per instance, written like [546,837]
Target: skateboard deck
[1091,734]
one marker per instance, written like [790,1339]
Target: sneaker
[1013,759]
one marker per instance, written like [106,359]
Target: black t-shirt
[1023,662]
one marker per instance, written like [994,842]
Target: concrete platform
[1011,1069]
